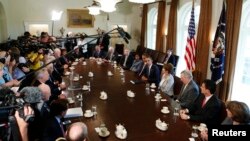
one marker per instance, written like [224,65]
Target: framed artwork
[79,18]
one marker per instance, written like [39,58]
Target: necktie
[149,71]
[61,125]
[142,69]
[125,61]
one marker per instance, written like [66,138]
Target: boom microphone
[31,94]
[123,34]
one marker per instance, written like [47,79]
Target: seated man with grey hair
[77,132]
[189,91]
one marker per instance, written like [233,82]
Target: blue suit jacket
[154,74]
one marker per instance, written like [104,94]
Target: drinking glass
[176,111]
[88,83]
[147,86]
[194,131]
[94,110]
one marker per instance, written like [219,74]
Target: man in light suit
[189,91]
[151,73]
[206,108]
[127,59]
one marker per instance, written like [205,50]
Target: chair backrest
[161,57]
[223,111]
[177,85]
[149,51]
[154,55]
[119,48]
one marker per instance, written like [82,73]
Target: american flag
[190,47]
[218,51]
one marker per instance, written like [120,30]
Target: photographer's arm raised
[22,124]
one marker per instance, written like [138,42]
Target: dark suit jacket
[114,57]
[52,130]
[101,54]
[128,63]
[104,43]
[189,95]
[172,60]
[209,113]
[154,76]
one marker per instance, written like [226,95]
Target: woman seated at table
[167,80]
[137,64]
[237,114]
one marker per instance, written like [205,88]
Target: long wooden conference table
[137,114]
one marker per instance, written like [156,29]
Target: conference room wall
[20,11]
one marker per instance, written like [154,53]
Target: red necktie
[203,102]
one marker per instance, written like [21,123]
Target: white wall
[19,11]
[3,23]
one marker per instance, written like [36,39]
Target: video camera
[9,103]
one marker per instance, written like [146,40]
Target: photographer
[22,124]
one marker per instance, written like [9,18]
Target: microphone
[31,94]
[123,34]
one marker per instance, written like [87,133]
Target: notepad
[74,112]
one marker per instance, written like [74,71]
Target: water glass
[94,110]
[176,111]
[194,131]
[147,86]
[88,83]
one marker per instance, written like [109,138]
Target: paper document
[74,112]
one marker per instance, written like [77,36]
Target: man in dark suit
[170,58]
[206,108]
[189,91]
[127,59]
[98,53]
[111,55]
[103,40]
[53,127]
[151,73]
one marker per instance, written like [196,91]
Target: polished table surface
[138,114]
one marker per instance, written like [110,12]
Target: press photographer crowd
[32,105]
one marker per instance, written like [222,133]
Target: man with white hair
[189,91]
[77,132]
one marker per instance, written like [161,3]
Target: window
[241,83]
[182,32]
[152,25]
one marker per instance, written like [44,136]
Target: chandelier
[142,1]
[105,6]
[94,9]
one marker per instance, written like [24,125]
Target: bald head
[57,52]
[77,132]
[46,92]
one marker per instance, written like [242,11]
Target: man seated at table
[77,132]
[111,55]
[144,59]
[60,63]
[206,108]
[151,73]
[127,59]
[98,53]
[189,91]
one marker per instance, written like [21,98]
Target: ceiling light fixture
[142,1]
[94,9]
[108,5]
